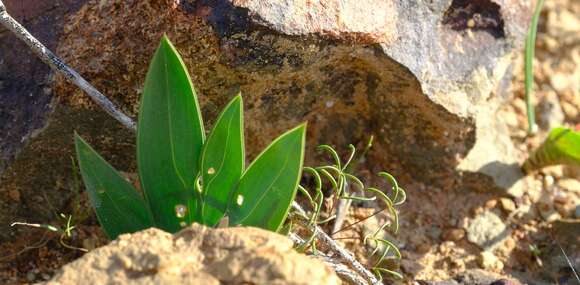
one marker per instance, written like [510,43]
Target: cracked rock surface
[197,255]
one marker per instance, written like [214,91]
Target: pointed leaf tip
[165,39]
[170,137]
[222,161]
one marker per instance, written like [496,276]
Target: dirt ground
[434,220]
[435,223]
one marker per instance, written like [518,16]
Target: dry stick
[341,211]
[343,271]
[336,248]
[340,269]
[59,66]
[358,222]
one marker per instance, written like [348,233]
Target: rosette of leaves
[184,176]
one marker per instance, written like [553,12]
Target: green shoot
[186,178]
[562,146]
[529,61]
[337,177]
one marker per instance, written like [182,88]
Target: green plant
[529,68]
[65,229]
[185,177]
[66,224]
[562,146]
[338,176]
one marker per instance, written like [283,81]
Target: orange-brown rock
[420,77]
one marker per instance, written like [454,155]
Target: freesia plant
[184,176]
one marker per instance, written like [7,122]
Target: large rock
[26,107]
[24,102]
[418,75]
[197,255]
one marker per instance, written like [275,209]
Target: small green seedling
[562,146]
[65,230]
[529,67]
[185,177]
[338,176]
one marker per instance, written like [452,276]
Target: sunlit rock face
[420,76]
[197,255]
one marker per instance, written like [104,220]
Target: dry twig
[344,254]
[340,269]
[59,66]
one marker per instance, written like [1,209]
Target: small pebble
[548,181]
[30,276]
[507,204]
[554,171]
[548,213]
[489,261]
[490,204]
[454,234]
[569,184]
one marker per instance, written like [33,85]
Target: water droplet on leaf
[240,200]
[183,224]
[211,171]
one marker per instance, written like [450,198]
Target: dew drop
[211,171]
[180,210]
[240,200]
[183,224]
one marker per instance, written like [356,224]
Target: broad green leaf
[267,188]
[561,147]
[170,137]
[222,162]
[120,209]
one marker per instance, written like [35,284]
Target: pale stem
[339,250]
[60,67]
